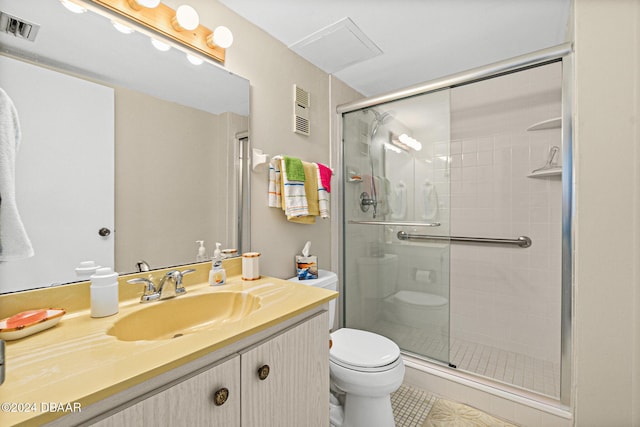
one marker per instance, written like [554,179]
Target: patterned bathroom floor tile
[413,407]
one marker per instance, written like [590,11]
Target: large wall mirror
[128,153]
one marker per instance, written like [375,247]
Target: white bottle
[202,252]
[217,275]
[86,268]
[104,292]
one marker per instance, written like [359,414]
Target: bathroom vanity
[277,382]
[267,366]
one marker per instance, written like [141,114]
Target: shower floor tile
[512,368]
[516,369]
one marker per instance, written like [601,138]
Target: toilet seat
[362,369]
[363,351]
[420,298]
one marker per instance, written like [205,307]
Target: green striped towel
[295,171]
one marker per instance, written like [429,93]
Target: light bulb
[194,59]
[161,46]
[122,28]
[410,142]
[186,18]
[75,8]
[222,37]
[393,148]
[139,4]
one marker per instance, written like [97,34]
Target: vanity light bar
[161,19]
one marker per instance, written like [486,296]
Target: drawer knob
[263,372]
[221,396]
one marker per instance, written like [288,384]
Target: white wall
[607,257]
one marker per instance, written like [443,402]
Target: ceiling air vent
[18,27]
[301,105]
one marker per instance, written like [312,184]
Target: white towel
[383,187]
[323,196]
[399,201]
[295,198]
[14,242]
[430,201]
[275,175]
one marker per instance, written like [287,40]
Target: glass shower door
[396,171]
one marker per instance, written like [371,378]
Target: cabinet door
[188,403]
[296,391]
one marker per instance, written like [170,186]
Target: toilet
[378,278]
[365,369]
[419,310]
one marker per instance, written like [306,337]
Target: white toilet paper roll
[423,276]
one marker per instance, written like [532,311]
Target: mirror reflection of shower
[366,199]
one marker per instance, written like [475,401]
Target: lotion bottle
[104,292]
[202,252]
[217,275]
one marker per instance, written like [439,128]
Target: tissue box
[306,267]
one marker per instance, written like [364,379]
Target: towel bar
[398,223]
[522,241]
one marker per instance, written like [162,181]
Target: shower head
[379,118]
[382,117]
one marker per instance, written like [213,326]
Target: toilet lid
[362,349]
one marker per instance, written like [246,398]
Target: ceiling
[406,42]
[104,54]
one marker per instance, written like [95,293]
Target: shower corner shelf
[555,123]
[555,171]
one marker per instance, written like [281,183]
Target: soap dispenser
[217,275]
[202,252]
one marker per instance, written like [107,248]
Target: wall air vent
[301,104]
[18,27]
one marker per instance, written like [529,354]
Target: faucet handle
[150,293]
[178,278]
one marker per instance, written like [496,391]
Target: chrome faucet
[170,286]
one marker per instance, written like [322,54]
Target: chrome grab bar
[401,224]
[522,241]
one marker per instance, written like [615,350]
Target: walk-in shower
[453,222]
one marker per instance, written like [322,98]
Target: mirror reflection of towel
[430,201]
[14,242]
[399,201]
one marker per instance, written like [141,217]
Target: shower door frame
[563,53]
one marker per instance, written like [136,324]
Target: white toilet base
[367,395]
[363,411]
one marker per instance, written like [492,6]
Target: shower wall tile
[502,296]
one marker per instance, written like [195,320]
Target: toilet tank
[327,280]
[377,276]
